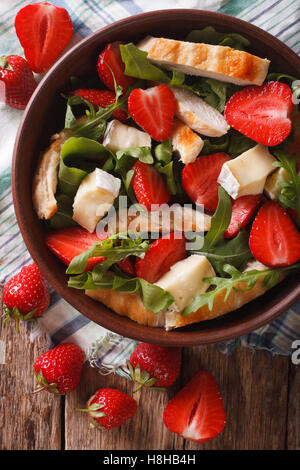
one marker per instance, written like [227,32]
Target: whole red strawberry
[58,370]
[44,30]
[154,366]
[109,408]
[18,81]
[26,295]
[102,98]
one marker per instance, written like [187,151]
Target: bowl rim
[177,337]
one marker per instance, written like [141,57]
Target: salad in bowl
[172,193]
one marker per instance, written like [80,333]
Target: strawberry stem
[39,389]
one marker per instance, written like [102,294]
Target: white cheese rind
[91,202]
[107,182]
[185,279]
[247,173]
[120,136]
[199,115]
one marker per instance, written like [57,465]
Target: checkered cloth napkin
[105,349]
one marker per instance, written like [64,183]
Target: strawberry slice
[199,179]
[153,110]
[243,209]
[262,113]
[149,185]
[196,412]
[102,98]
[160,256]
[110,60]
[127,266]
[44,30]
[274,239]
[66,243]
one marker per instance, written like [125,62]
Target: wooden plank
[293,428]
[144,431]
[27,422]
[254,390]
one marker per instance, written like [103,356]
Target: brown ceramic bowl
[44,116]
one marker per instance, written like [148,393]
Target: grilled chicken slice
[199,115]
[206,60]
[186,143]
[45,177]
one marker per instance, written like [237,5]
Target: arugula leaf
[235,252]
[79,156]
[114,249]
[125,157]
[165,165]
[226,284]
[63,216]
[290,193]
[97,119]
[164,151]
[293,82]
[137,65]
[234,143]
[209,35]
[219,221]
[218,250]
[153,297]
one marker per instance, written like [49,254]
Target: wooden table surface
[261,397]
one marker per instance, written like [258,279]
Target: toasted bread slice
[218,62]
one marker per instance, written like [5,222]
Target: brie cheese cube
[247,173]
[272,188]
[185,279]
[94,198]
[120,136]
[186,143]
[199,115]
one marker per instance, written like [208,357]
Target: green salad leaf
[63,216]
[209,35]
[289,196]
[137,65]
[79,156]
[234,143]
[220,251]
[227,284]
[219,221]
[293,82]
[114,249]
[125,158]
